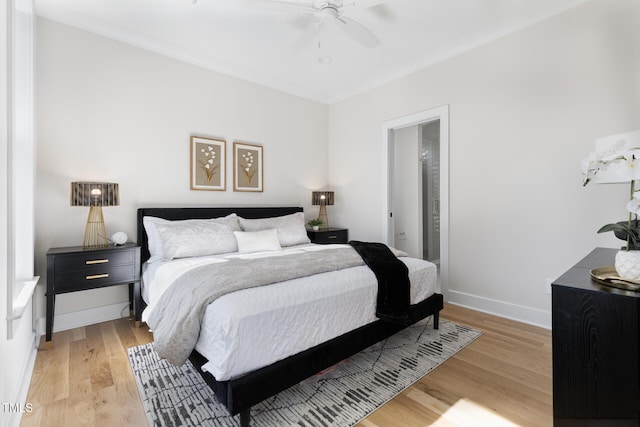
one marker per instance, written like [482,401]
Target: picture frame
[248,170]
[208,164]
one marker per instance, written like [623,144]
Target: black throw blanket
[393,281]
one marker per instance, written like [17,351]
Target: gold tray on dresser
[609,276]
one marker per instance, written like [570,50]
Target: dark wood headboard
[205,213]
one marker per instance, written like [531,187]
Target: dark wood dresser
[596,342]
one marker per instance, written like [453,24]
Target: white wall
[406,190]
[524,110]
[109,111]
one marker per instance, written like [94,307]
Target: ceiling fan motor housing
[320,4]
[329,10]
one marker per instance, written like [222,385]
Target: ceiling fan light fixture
[332,12]
[329,10]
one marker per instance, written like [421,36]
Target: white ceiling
[253,39]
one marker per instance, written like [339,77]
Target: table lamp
[95,195]
[322,199]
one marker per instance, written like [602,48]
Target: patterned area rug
[341,396]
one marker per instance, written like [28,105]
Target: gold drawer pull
[97,276]
[96,261]
[333,237]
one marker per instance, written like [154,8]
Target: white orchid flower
[207,166]
[630,160]
[590,167]
[612,156]
[634,206]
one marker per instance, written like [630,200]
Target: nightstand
[329,235]
[76,269]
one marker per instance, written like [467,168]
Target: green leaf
[631,234]
[615,227]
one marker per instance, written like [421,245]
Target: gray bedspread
[177,316]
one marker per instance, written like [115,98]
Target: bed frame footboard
[240,394]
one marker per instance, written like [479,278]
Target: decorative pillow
[291,229]
[191,239]
[257,241]
[155,243]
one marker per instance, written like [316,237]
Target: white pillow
[154,242]
[191,239]
[291,229]
[257,241]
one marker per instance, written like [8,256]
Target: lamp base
[95,233]
[322,215]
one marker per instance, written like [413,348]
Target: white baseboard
[76,319]
[27,371]
[511,311]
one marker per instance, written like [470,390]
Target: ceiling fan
[332,11]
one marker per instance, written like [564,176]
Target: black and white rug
[342,396]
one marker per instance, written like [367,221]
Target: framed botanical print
[247,167]
[208,160]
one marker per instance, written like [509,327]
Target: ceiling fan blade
[306,38]
[382,11]
[357,31]
[363,4]
[377,7]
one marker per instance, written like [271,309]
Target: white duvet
[252,328]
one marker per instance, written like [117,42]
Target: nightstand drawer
[97,260]
[94,277]
[325,236]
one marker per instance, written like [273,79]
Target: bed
[251,383]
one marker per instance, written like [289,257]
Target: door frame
[439,113]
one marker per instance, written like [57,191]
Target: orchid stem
[633,190]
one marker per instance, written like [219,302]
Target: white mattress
[252,328]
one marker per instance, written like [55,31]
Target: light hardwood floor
[501,379]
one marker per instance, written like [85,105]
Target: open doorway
[416,164]
[430,191]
